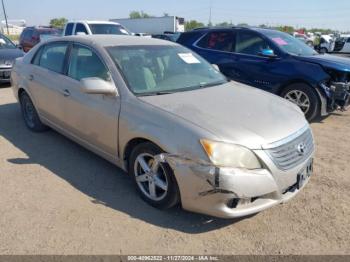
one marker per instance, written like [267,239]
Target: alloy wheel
[150,177]
[299,98]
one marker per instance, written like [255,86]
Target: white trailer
[153,25]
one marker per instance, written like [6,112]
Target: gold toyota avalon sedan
[184,133]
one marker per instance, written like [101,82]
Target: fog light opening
[240,202]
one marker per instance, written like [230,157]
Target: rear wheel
[154,181]
[30,115]
[305,97]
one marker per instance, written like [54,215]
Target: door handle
[31,77]
[66,93]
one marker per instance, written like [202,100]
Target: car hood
[235,113]
[328,61]
[10,54]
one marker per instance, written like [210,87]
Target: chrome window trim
[287,139]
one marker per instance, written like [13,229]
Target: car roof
[94,22]
[112,40]
[257,29]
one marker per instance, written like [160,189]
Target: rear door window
[250,43]
[53,56]
[218,40]
[69,29]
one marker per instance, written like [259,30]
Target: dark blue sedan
[278,63]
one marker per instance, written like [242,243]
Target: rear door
[91,118]
[217,48]
[46,81]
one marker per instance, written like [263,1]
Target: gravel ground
[58,198]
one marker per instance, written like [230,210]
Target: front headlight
[230,155]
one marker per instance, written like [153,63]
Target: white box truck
[153,25]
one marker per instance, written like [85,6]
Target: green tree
[139,14]
[286,28]
[58,22]
[224,24]
[242,25]
[192,25]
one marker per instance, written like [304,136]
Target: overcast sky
[333,14]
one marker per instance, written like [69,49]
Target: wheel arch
[131,144]
[301,81]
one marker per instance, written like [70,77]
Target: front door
[91,118]
[252,68]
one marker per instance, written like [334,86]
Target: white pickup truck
[94,28]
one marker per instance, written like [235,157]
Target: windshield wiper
[159,93]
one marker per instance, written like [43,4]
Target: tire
[305,97]
[323,50]
[30,115]
[310,43]
[165,193]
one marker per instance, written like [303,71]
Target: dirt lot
[58,198]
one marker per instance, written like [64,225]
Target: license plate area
[304,175]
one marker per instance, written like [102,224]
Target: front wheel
[154,181]
[305,97]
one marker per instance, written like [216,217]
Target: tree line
[192,24]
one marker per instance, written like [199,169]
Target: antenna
[3,8]
[210,7]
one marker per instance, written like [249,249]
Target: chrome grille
[293,152]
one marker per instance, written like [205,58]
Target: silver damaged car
[183,132]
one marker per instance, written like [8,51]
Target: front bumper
[5,75]
[338,96]
[230,192]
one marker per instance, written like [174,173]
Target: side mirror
[80,33]
[216,67]
[268,53]
[2,41]
[95,85]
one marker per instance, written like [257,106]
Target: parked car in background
[304,39]
[168,36]
[276,62]
[94,28]
[8,53]
[161,112]
[326,45]
[33,35]
[342,44]
[142,35]
[163,37]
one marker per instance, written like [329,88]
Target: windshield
[290,44]
[5,43]
[154,70]
[108,29]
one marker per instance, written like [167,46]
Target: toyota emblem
[301,148]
